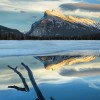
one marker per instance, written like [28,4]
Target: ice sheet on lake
[39,48]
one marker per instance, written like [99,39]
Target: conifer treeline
[26,37]
[13,34]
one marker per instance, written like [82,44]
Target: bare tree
[33,82]
[26,88]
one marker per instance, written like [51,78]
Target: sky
[84,8]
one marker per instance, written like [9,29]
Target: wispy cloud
[81,6]
[81,9]
[69,7]
[79,12]
[81,70]
[31,5]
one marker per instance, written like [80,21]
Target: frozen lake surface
[84,79]
[53,47]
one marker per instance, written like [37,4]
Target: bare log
[26,88]
[31,77]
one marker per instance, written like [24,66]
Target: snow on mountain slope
[56,24]
[70,18]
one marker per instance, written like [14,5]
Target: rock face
[56,62]
[55,24]
[7,33]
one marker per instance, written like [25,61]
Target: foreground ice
[79,81]
[63,75]
[37,48]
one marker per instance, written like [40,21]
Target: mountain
[7,33]
[55,25]
[56,62]
[12,34]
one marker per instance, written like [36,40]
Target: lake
[46,47]
[80,81]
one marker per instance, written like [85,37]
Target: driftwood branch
[26,88]
[31,77]
[17,88]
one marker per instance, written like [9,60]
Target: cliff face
[56,62]
[55,24]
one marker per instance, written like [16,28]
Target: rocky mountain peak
[55,13]
[55,24]
[69,18]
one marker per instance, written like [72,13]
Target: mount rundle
[55,25]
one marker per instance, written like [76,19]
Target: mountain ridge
[12,34]
[69,18]
[56,25]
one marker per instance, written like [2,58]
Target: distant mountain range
[7,33]
[55,25]
[12,34]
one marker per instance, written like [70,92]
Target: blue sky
[92,1]
[37,8]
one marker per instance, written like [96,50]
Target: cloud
[82,70]
[85,72]
[79,12]
[81,9]
[90,1]
[69,7]
[81,6]
[31,5]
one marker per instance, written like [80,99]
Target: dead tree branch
[31,77]
[17,88]
[52,98]
[26,88]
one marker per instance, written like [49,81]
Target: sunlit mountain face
[20,14]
